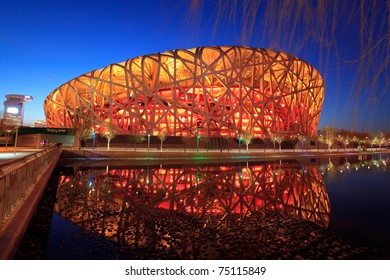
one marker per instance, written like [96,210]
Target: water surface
[316,208]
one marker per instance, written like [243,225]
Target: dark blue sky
[44,44]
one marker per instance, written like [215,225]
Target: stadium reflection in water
[109,200]
[243,210]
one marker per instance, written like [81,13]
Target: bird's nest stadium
[220,91]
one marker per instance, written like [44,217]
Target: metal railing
[18,178]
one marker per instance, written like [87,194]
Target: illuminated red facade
[221,191]
[213,91]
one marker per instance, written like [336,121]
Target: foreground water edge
[277,209]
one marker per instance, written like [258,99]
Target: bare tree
[138,138]
[109,134]
[279,137]
[8,132]
[346,142]
[8,129]
[163,134]
[247,138]
[327,136]
[340,140]
[373,140]
[85,133]
[381,140]
[358,141]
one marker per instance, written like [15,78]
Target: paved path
[193,154]
[9,155]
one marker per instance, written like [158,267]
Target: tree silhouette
[247,138]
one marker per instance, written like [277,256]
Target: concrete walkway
[193,154]
[13,230]
[9,154]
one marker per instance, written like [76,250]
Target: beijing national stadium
[216,91]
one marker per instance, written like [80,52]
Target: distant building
[14,109]
[40,123]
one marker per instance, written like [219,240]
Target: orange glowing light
[186,90]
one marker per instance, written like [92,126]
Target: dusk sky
[47,43]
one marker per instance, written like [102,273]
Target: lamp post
[339,141]
[346,142]
[197,140]
[148,141]
[239,141]
[273,138]
[16,139]
[93,140]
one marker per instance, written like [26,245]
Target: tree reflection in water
[179,208]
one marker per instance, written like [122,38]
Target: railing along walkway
[19,178]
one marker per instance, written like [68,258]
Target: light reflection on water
[115,201]
[227,192]
[359,193]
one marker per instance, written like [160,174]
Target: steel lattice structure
[214,91]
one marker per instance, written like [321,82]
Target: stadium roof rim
[189,49]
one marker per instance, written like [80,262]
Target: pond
[312,208]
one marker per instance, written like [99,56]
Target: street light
[197,140]
[148,141]
[16,139]
[93,140]
[239,141]
[339,140]
[301,138]
[273,138]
